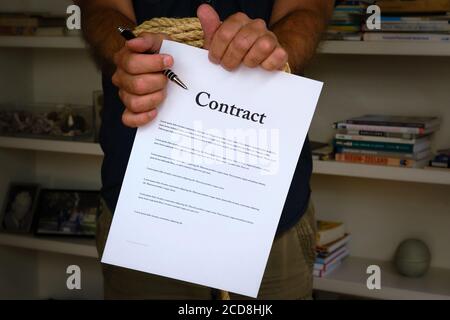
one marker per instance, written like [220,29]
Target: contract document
[207,180]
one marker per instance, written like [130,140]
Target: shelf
[72,246]
[381,172]
[68,42]
[406,48]
[86,148]
[320,167]
[350,278]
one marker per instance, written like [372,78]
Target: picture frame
[19,209]
[98,102]
[67,213]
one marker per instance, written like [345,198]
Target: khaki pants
[288,273]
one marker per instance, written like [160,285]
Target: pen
[128,35]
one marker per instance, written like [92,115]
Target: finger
[134,120]
[242,43]
[136,63]
[260,51]
[145,103]
[276,61]
[147,42]
[210,22]
[140,84]
[225,34]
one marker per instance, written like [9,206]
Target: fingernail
[167,61]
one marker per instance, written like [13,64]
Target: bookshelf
[380,205]
[326,47]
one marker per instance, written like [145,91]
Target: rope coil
[184,30]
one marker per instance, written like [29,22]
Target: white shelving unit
[379,205]
[403,48]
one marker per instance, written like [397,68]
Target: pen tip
[180,83]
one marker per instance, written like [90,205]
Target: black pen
[128,35]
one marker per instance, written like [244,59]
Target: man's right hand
[139,77]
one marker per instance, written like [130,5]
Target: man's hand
[142,86]
[240,39]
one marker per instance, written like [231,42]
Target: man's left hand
[240,39]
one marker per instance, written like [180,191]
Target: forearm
[99,25]
[300,33]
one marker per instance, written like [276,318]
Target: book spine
[350,126]
[387,124]
[414,28]
[373,36]
[414,156]
[377,160]
[374,138]
[379,134]
[382,146]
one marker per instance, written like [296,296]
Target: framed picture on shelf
[98,107]
[67,212]
[20,203]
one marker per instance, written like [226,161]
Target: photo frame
[19,209]
[98,101]
[67,212]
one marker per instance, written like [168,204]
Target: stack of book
[412,20]
[332,247]
[385,140]
[441,160]
[19,24]
[346,21]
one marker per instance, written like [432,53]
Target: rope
[184,30]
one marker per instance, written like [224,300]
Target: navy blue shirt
[117,140]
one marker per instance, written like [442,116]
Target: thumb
[147,42]
[210,21]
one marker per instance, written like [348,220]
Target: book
[398,6]
[18,20]
[325,250]
[381,134]
[394,36]
[329,231]
[17,31]
[336,259]
[414,156]
[321,151]
[395,121]
[419,26]
[381,161]
[379,128]
[384,146]
[342,136]
[323,273]
[49,32]
[330,257]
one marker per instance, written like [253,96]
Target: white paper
[204,188]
